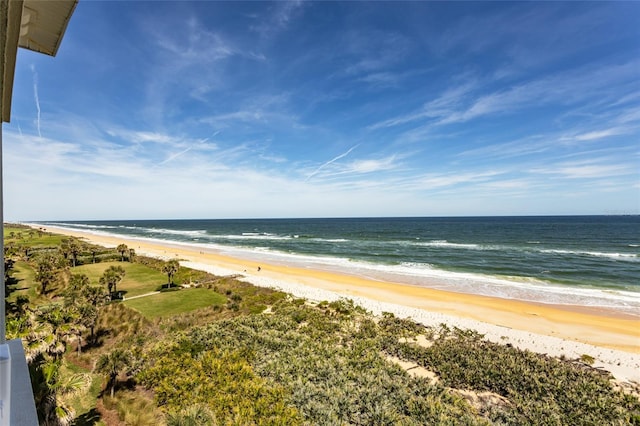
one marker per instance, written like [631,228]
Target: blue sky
[329,109]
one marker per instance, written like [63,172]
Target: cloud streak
[35,97]
[174,156]
[333,160]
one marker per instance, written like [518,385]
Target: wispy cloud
[174,156]
[533,144]
[278,19]
[599,168]
[192,60]
[136,136]
[598,85]
[382,79]
[442,106]
[601,134]
[370,166]
[333,160]
[440,180]
[193,44]
[514,33]
[36,98]
[373,56]
[257,112]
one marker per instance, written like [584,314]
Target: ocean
[574,260]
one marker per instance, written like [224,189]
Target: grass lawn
[34,241]
[175,302]
[26,284]
[138,279]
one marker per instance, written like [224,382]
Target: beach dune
[611,338]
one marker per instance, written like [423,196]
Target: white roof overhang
[37,25]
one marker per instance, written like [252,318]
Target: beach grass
[175,302]
[135,408]
[139,279]
[84,403]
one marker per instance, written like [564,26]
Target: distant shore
[612,338]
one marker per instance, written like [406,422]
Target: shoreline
[612,338]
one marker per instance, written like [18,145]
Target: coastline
[610,337]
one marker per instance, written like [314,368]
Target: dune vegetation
[113,337]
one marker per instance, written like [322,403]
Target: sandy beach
[611,337]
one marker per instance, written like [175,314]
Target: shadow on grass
[91,417]
[117,296]
[12,281]
[166,287]
[98,339]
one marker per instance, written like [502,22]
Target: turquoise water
[582,260]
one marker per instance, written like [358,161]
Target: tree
[95,296]
[112,364]
[75,248]
[132,254]
[94,251]
[171,268]
[64,248]
[8,266]
[74,289]
[61,320]
[48,386]
[47,267]
[85,317]
[122,248]
[37,336]
[82,300]
[111,277]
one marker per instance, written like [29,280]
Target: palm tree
[8,266]
[49,386]
[171,268]
[122,248]
[75,248]
[38,337]
[85,317]
[64,247]
[95,296]
[74,289]
[61,321]
[111,277]
[112,364]
[82,301]
[47,268]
